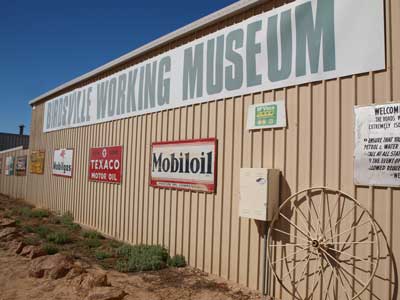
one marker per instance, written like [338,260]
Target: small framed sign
[20,166]
[9,169]
[184,165]
[37,162]
[266,115]
[63,162]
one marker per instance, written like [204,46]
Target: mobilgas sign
[62,162]
[187,165]
[300,42]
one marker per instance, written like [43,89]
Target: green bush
[141,258]
[100,255]
[39,213]
[66,219]
[177,261]
[59,238]
[92,243]
[22,211]
[31,241]
[50,249]
[42,230]
[115,244]
[92,234]
[28,229]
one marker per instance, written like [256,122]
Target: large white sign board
[377,145]
[62,162]
[301,42]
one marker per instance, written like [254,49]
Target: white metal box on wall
[259,193]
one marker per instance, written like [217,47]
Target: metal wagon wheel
[322,244]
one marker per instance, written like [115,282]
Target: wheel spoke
[314,285]
[291,255]
[289,244]
[353,256]
[316,213]
[343,217]
[298,210]
[337,277]
[329,217]
[338,262]
[295,226]
[327,289]
[352,228]
[288,234]
[296,265]
[355,243]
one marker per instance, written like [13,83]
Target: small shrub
[50,249]
[18,222]
[34,241]
[92,234]
[54,220]
[39,213]
[100,255]
[59,238]
[67,219]
[23,211]
[177,261]
[42,230]
[141,258]
[92,243]
[115,244]
[28,229]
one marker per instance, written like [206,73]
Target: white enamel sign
[185,165]
[301,42]
[377,145]
[63,162]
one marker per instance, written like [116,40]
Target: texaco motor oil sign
[187,165]
[377,145]
[105,164]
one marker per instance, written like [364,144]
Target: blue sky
[46,43]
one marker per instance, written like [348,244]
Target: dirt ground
[17,283]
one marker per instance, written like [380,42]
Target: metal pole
[265,261]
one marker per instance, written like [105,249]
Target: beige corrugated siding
[315,149]
[13,186]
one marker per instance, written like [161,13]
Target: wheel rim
[323,244]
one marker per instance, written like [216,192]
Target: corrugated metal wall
[13,186]
[315,149]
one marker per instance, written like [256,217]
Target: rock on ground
[8,232]
[7,223]
[52,266]
[106,293]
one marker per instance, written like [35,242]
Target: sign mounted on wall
[185,165]
[301,42]
[20,166]
[9,169]
[377,145]
[105,164]
[37,162]
[266,115]
[63,162]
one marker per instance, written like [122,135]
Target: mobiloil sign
[187,165]
[301,42]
